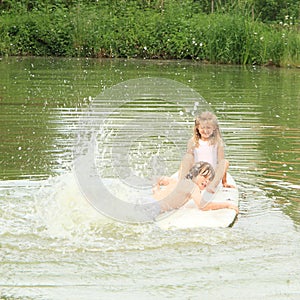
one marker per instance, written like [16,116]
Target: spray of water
[120,139]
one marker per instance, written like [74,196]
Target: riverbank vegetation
[216,31]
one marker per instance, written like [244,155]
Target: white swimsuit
[206,152]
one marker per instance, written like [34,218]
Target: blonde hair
[207,118]
[201,168]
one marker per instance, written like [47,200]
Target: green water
[53,246]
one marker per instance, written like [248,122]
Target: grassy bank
[175,32]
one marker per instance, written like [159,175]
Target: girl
[207,145]
[178,192]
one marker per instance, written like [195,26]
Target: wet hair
[201,168]
[207,118]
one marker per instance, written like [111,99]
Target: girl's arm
[220,205]
[221,153]
[190,146]
[221,157]
[187,160]
[197,197]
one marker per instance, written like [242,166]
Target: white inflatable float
[108,196]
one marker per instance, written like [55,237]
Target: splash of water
[121,128]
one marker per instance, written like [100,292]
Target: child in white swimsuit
[206,145]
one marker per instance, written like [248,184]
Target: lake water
[54,245]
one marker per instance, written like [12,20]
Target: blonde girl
[206,145]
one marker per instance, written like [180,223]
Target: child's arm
[220,205]
[221,157]
[197,197]
[221,153]
[187,160]
[190,146]
[224,179]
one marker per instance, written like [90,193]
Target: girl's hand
[232,206]
[210,189]
[164,180]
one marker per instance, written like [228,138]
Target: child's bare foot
[226,185]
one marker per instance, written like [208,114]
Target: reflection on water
[54,245]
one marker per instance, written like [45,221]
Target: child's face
[206,130]
[202,181]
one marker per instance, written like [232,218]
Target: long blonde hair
[207,118]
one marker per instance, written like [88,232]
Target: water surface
[55,246]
